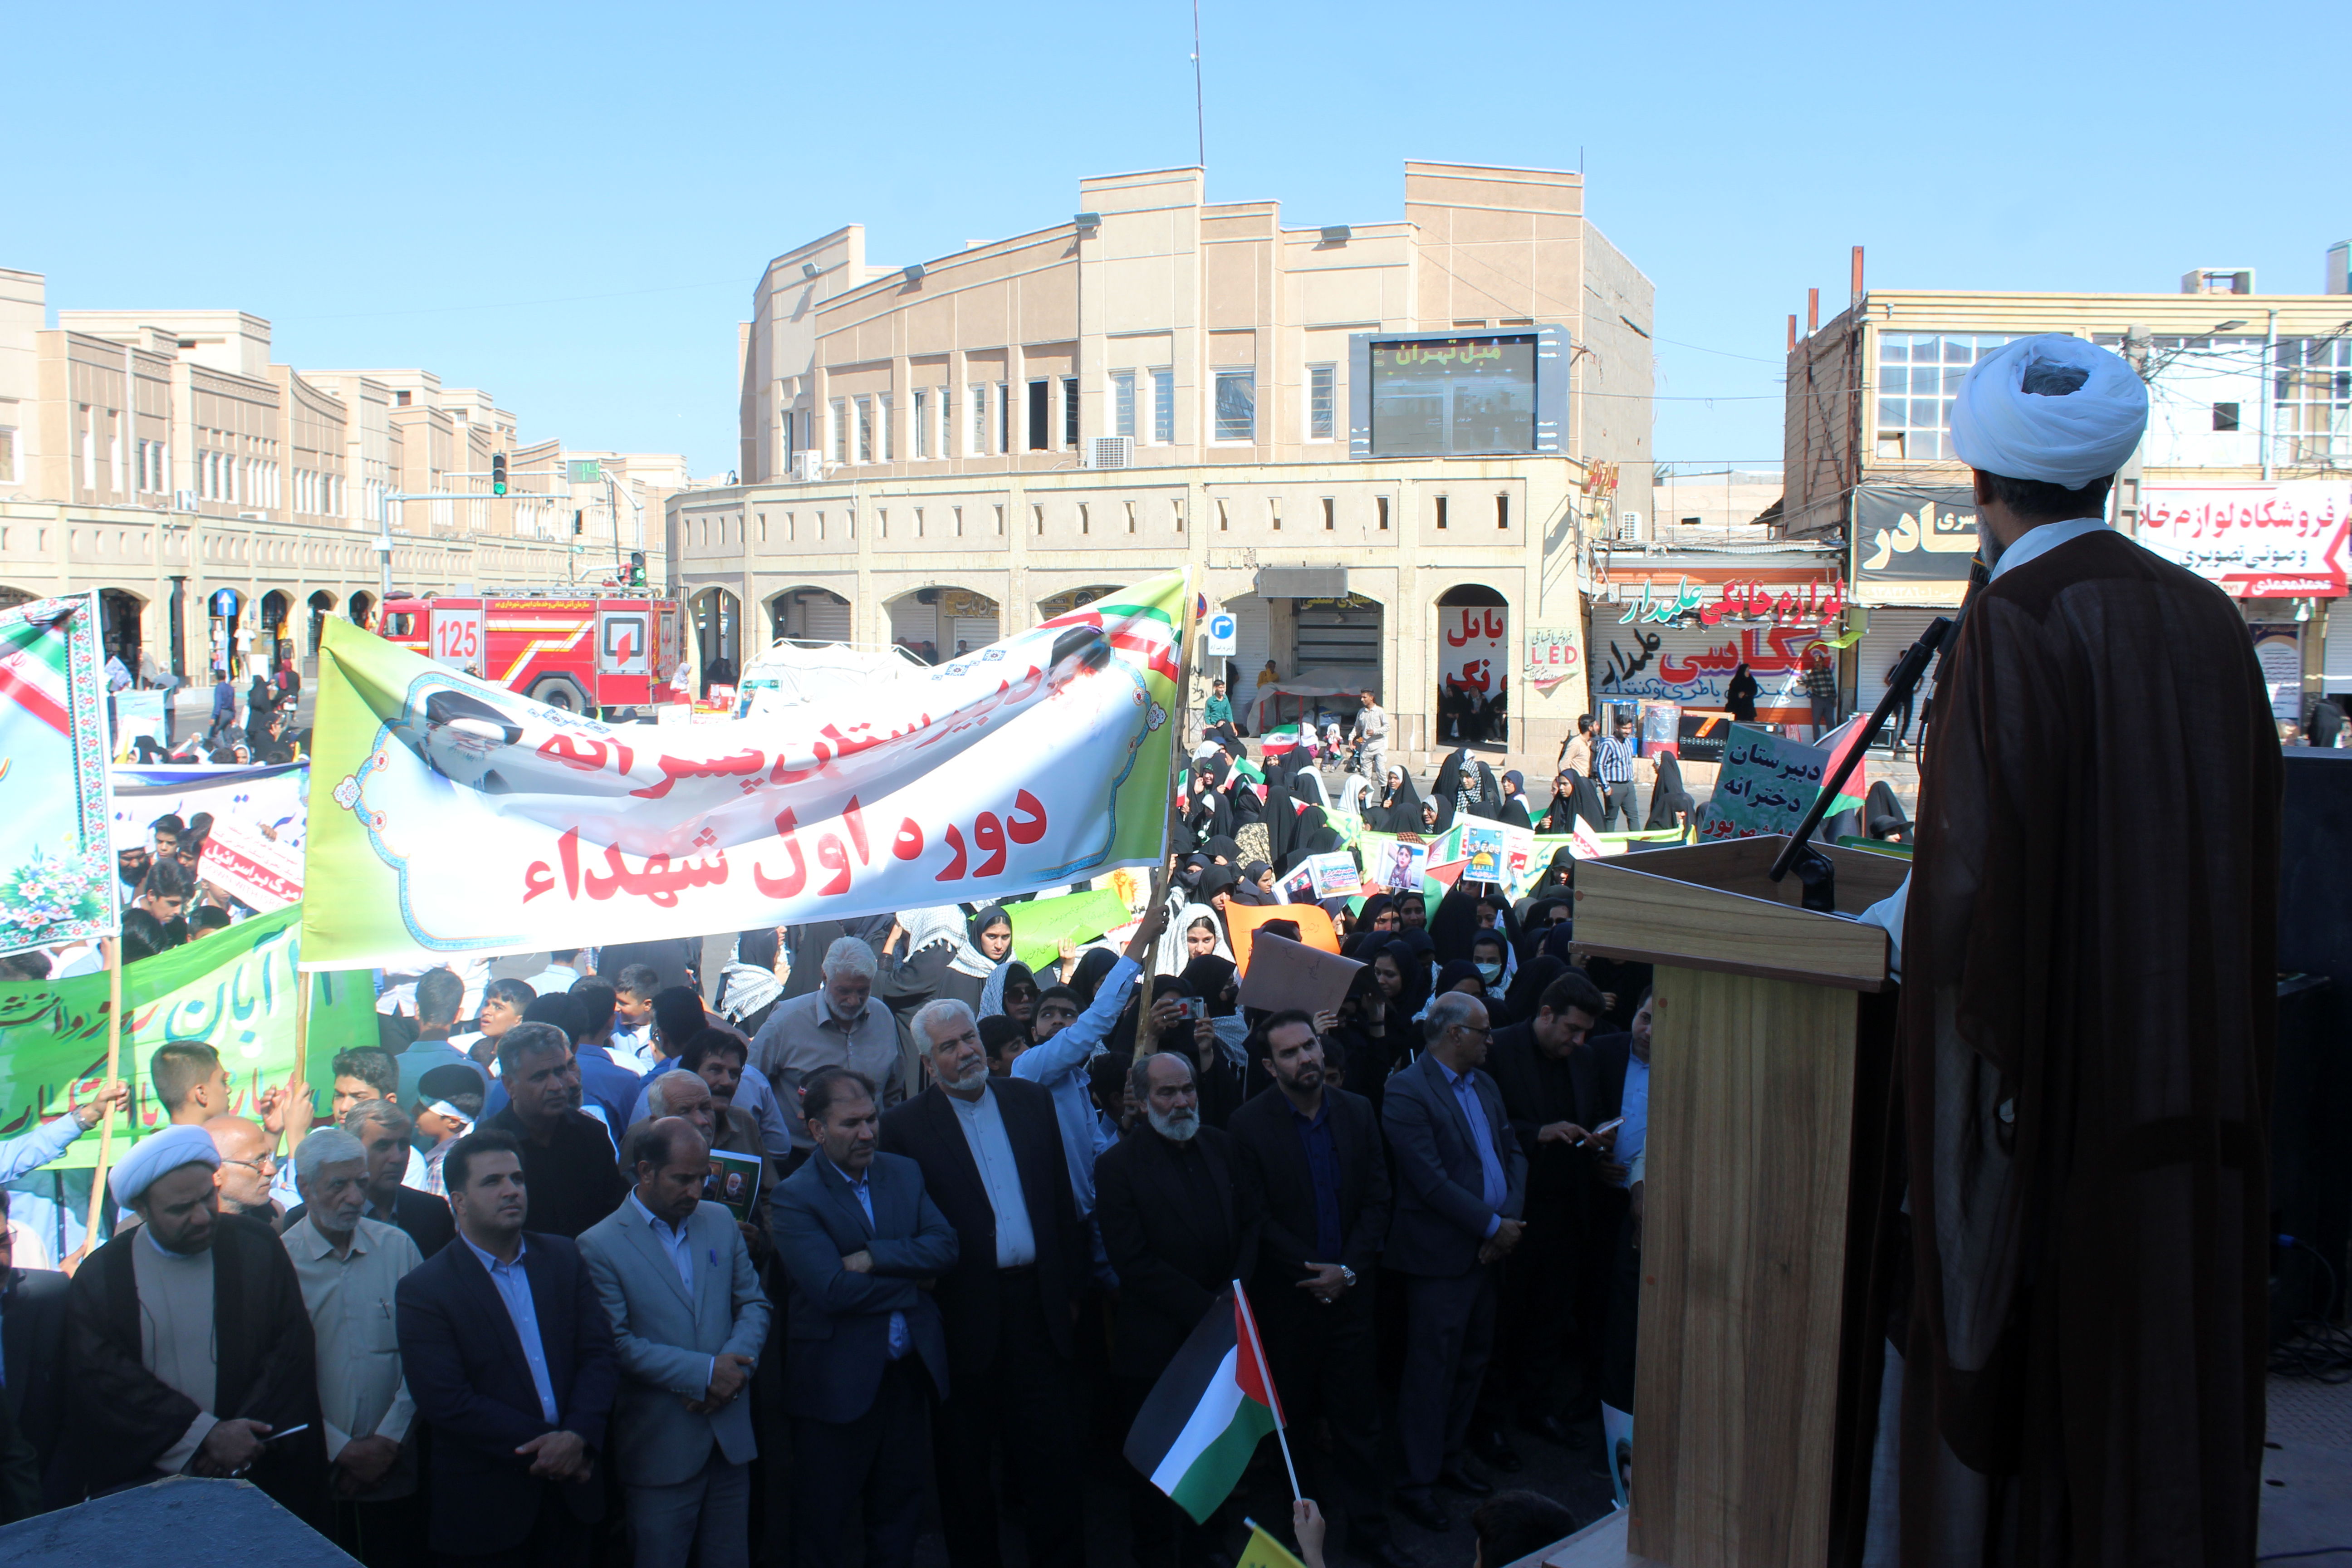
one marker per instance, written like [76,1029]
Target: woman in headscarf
[1380,914]
[1217,885]
[1011,993]
[1256,886]
[1459,975]
[1223,850]
[1366,1042]
[1314,836]
[1740,696]
[1575,798]
[1354,797]
[1211,814]
[1515,800]
[1416,960]
[1183,939]
[1087,978]
[1217,1071]
[1527,986]
[1436,815]
[940,960]
[1668,799]
[1491,955]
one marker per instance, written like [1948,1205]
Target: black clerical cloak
[2085,1056]
[123,1417]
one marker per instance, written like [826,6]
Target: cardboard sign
[1484,845]
[1242,921]
[1292,974]
[1766,785]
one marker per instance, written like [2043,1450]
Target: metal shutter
[914,621]
[1891,631]
[823,620]
[2336,665]
[1339,637]
[976,632]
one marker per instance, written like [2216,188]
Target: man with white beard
[1165,1201]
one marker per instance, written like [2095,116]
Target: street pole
[2270,353]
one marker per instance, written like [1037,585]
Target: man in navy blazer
[508,1355]
[1461,1181]
[855,1232]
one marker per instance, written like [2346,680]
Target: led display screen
[1436,397]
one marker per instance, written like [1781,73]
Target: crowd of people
[871,1189]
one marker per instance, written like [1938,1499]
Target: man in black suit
[1314,1185]
[864,1351]
[508,1355]
[1461,1183]
[1556,1084]
[990,1152]
[1165,1200]
[382,1129]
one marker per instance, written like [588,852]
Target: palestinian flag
[1196,1432]
[1837,743]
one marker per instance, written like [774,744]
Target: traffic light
[637,568]
[497,473]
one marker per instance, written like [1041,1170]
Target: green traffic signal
[497,473]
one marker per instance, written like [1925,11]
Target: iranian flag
[1196,1432]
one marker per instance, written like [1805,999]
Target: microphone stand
[1815,871]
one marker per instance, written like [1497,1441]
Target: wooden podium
[1771,1025]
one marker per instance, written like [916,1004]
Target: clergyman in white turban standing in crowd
[190,1343]
[2086,1025]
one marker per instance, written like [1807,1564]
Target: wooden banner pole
[113,1073]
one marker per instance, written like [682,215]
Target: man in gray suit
[1461,1179]
[688,1320]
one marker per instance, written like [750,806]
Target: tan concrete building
[224,503]
[1354,434]
[2245,473]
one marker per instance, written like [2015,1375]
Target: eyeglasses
[264,1166]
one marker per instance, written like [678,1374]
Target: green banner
[232,991]
[1039,926]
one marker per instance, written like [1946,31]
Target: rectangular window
[1330,515]
[1041,415]
[979,448]
[1441,512]
[1502,511]
[1163,407]
[959,522]
[1273,511]
[1236,406]
[1130,517]
[1177,508]
[88,448]
[1086,518]
[2225,416]
[1919,375]
[7,454]
[840,432]
[115,454]
[1322,401]
[947,424]
[1122,403]
[1037,516]
[882,414]
[2311,416]
[922,413]
[1004,417]
[864,429]
[1000,520]
[1070,411]
[1380,509]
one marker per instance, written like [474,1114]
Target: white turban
[2082,428]
[157,1155]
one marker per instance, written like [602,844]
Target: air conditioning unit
[1110,452]
[808,466]
[1629,525]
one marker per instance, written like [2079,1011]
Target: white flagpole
[1257,1348]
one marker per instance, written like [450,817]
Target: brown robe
[2086,1051]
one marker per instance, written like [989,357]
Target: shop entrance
[1473,645]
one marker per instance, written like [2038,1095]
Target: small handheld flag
[1195,1434]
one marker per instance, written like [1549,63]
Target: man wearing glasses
[249,1163]
[1461,1180]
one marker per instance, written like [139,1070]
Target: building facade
[2245,474]
[1380,447]
[225,505]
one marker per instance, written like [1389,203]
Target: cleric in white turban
[2088,961]
[157,1154]
[189,1339]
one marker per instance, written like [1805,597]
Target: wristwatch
[1348,1274]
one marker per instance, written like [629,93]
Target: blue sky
[569,204]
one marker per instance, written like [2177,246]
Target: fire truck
[588,654]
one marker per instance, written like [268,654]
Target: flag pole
[106,1121]
[1257,1349]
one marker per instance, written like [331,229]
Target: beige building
[1354,434]
[224,503]
[2245,474]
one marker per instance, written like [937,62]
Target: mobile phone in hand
[1605,1127]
